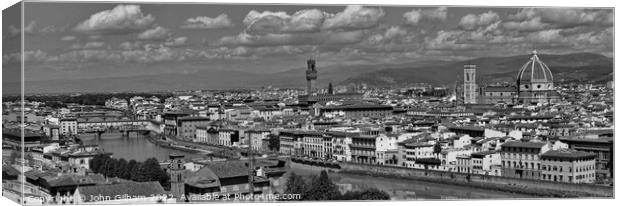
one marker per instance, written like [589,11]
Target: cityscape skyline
[115,39]
[143,103]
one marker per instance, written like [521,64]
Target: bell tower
[469,86]
[311,75]
[176,169]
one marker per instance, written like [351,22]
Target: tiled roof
[146,189]
[203,178]
[524,144]
[69,180]
[500,89]
[228,169]
[567,154]
[194,119]
[10,170]
[482,154]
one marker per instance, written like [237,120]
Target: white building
[462,141]
[486,163]
[68,126]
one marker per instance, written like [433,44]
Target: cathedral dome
[534,71]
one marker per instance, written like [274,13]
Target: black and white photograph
[134,103]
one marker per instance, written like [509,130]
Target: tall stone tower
[469,84]
[176,169]
[310,75]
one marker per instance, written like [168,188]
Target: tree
[131,166]
[107,167]
[274,142]
[322,188]
[150,170]
[368,194]
[119,168]
[295,184]
[134,172]
[437,148]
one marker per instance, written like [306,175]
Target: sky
[92,40]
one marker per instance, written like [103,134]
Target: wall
[536,187]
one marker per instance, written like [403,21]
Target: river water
[406,189]
[134,147]
[139,148]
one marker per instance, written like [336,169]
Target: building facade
[469,84]
[569,166]
[522,159]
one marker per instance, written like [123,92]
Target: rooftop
[132,189]
[519,144]
[567,154]
[228,169]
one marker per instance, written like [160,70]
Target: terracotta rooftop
[567,154]
[537,145]
[146,189]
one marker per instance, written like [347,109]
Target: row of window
[520,156]
[570,169]
[524,165]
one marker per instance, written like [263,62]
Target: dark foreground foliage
[322,188]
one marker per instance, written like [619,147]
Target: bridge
[125,130]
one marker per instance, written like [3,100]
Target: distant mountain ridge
[568,67]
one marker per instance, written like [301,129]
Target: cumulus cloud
[205,22]
[536,19]
[416,16]
[447,40]
[245,39]
[471,21]
[353,18]
[130,45]
[31,56]
[53,29]
[13,30]
[68,38]
[394,34]
[94,45]
[534,24]
[309,20]
[174,42]
[157,33]
[304,27]
[120,19]
[88,45]
[95,37]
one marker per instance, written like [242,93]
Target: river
[139,148]
[134,147]
[406,189]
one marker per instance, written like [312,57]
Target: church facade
[534,85]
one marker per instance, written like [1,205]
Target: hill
[568,67]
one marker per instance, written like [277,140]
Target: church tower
[469,84]
[311,75]
[176,168]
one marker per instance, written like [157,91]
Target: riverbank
[541,189]
[521,186]
[406,189]
[156,139]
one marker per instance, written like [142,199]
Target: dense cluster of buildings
[535,129]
